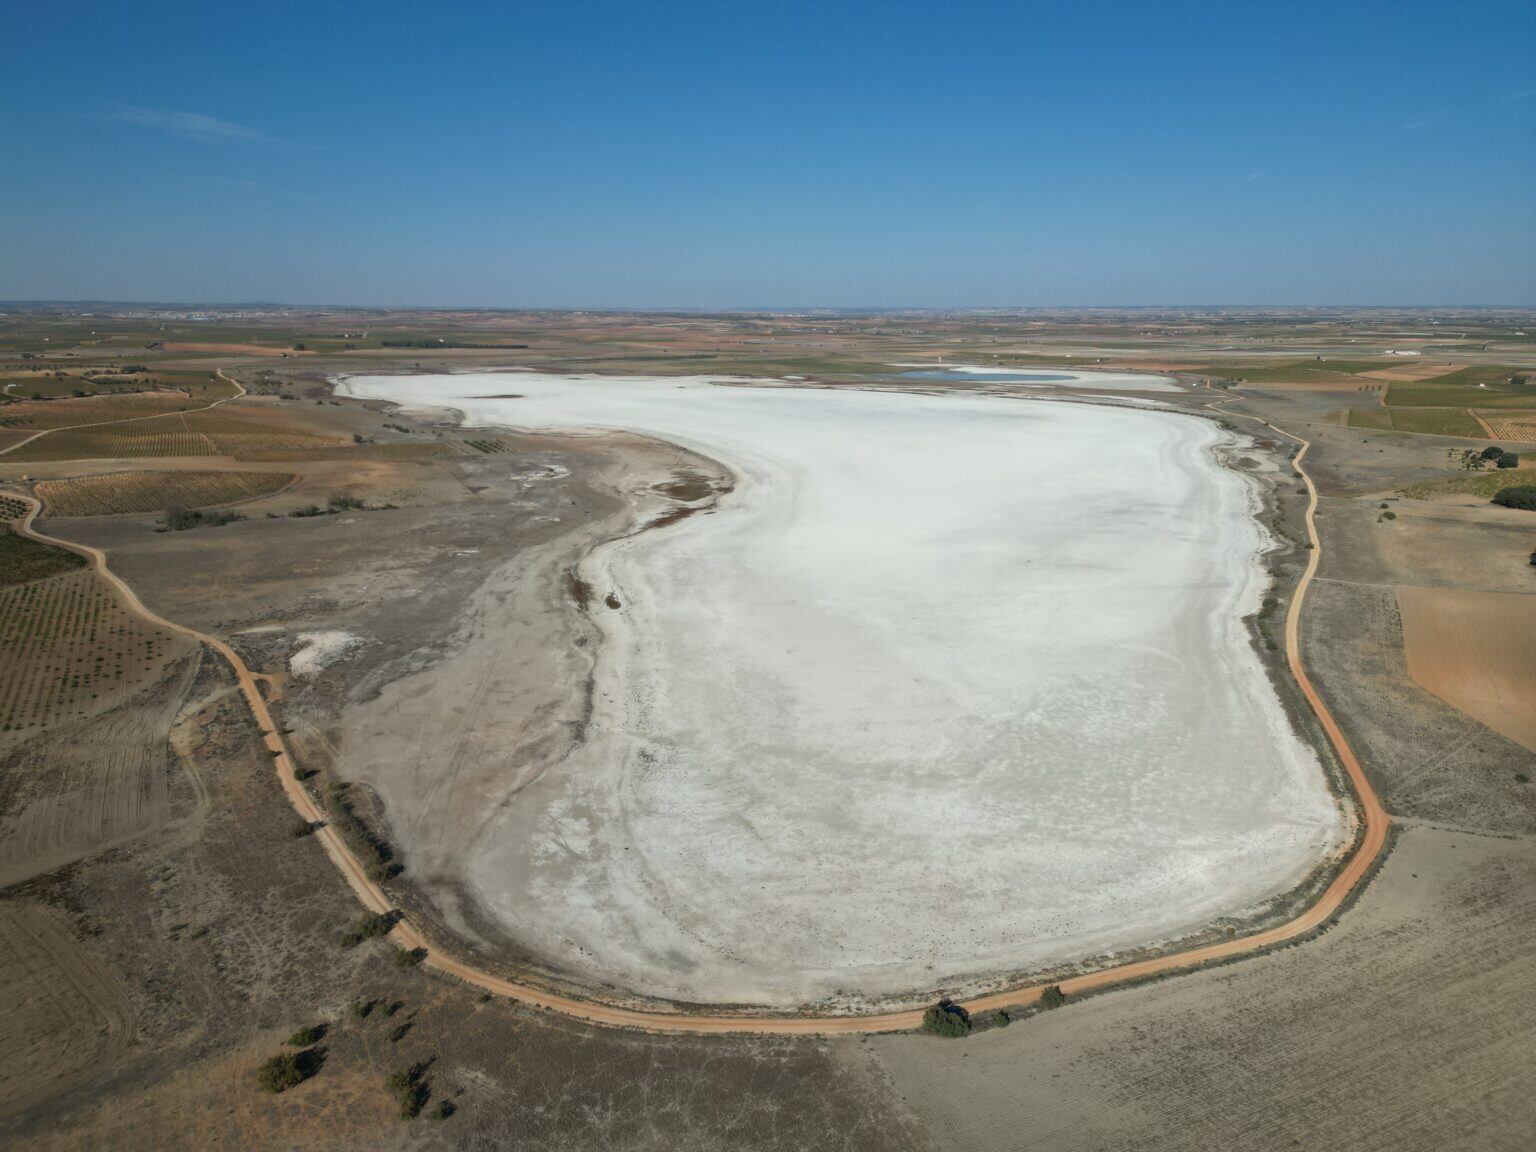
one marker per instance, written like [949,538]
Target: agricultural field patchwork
[68,649]
[254,454]
[1486,386]
[1512,425]
[1300,371]
[167,436]
[122,492]
[177,392]
[1426,421]
[183,434]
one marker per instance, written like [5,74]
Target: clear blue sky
[717,155]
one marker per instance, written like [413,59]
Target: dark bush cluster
[179,518]
[289,1069]
[374,850]
[1518,496]
[410,1089]
[304,1037]
[369,926]
[946,1018]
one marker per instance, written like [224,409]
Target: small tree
[1051,996]
[368,926]
[1509,460]
[280,1073]
[1518,496]
[948,1019]
[178,518]
[1492,452]
[410,1090]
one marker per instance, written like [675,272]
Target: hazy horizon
[857,156]
[729,309]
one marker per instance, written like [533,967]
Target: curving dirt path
[1371,819]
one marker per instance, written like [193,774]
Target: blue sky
[720,155]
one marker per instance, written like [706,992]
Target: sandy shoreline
[767,826]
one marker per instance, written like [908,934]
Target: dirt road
[1372,822]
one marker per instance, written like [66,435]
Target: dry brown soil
[1476,651]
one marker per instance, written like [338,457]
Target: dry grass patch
[1485,484]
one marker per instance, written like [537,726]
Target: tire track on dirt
[64,1013]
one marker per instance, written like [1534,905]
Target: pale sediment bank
[1040,377]
[947,686]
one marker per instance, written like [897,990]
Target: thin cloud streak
[199,128]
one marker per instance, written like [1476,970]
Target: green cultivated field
[1299,371]
[23,560]
[1429,421]
[1481,387]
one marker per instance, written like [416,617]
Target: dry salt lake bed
[948,686]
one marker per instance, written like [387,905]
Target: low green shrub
[280,1073]
[369,925]
[1518,496]
[947,1019]
[410,1090]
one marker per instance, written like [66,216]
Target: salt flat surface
[1044,377]
[949,686]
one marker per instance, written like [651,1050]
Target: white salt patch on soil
[320,649]
[925,700]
